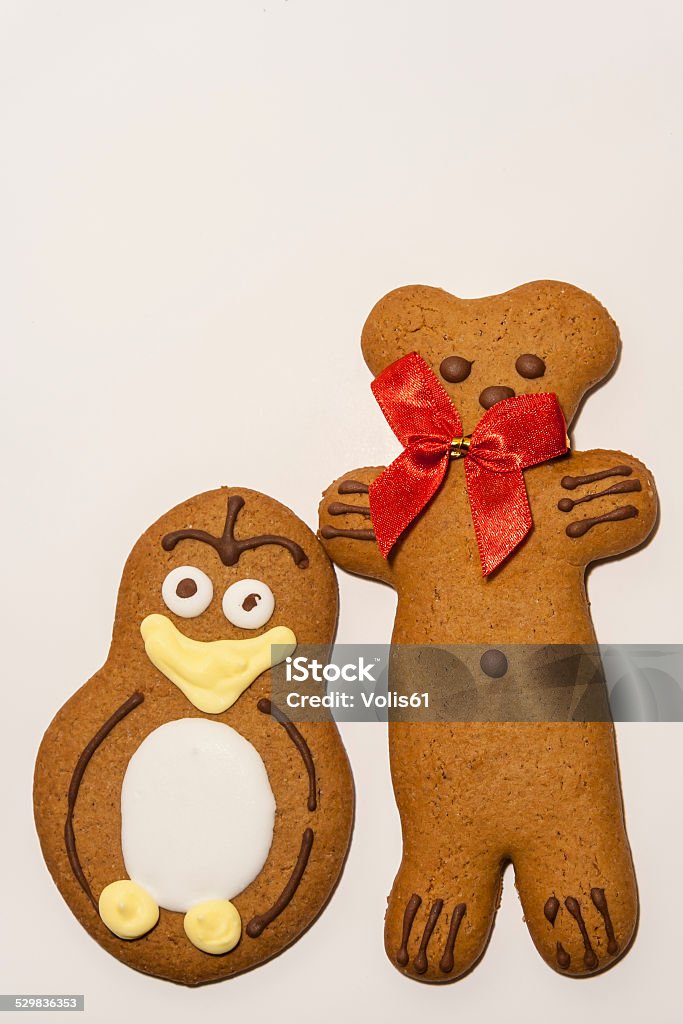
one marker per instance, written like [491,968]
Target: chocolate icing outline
[447,961]
[623,487]
[227,546]
[411,909]
[420,963]
[353,487]
[266,707]
[563,957]
[580,527]
[600,903]
[260,922]
[340,508]
[570,483]
[551,908]
[91,746]
[589,957]
[330,532]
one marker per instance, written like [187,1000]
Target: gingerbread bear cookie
[193,829]
[485,525]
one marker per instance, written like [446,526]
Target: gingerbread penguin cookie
[192,828]
[485,525]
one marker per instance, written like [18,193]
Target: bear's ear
[568,329]
[572,332]
[408,319]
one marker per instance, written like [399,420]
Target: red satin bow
[514,433]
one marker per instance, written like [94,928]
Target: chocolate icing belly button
[214,926]
[127,909]
[212,674]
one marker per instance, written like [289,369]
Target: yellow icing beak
[212,674]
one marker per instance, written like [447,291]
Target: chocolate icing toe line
[420,962]
[589,958]
[571,482]
[330,532]
[551,908]
[412,907]
[75,785]
[260,922]
[625,487]
[340,508]
[447,960]
[267,707]
[563,957]
[600,902]
[617,515]
[352,487]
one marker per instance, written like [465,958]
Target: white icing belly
[197,813]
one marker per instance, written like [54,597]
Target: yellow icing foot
[214,926]
[127,910]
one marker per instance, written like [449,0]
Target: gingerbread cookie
[485,526]
[195,831]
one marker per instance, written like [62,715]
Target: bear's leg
[445,896]
[573,869]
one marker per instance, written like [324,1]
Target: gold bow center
[460,446]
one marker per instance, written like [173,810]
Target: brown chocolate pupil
[186,588]
[250,602]
[530,366]
[455,369]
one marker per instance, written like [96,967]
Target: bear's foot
[584,934]
[582,919]
[439,934]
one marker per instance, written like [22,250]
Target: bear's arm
[609,505]
[347,534]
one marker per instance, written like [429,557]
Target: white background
[200,204]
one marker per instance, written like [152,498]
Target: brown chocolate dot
[494,664]
[490,396]
[250,602]
[530,366]
[551,908]
[563,957]
[186,588]
[455,369]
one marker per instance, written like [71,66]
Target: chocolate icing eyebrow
[227,546]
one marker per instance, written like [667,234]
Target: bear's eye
[530,366]
[187,591]
[455,369]
[248,604]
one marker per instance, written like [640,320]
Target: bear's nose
[490,396]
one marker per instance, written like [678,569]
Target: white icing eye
[248,604]
[187,591]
